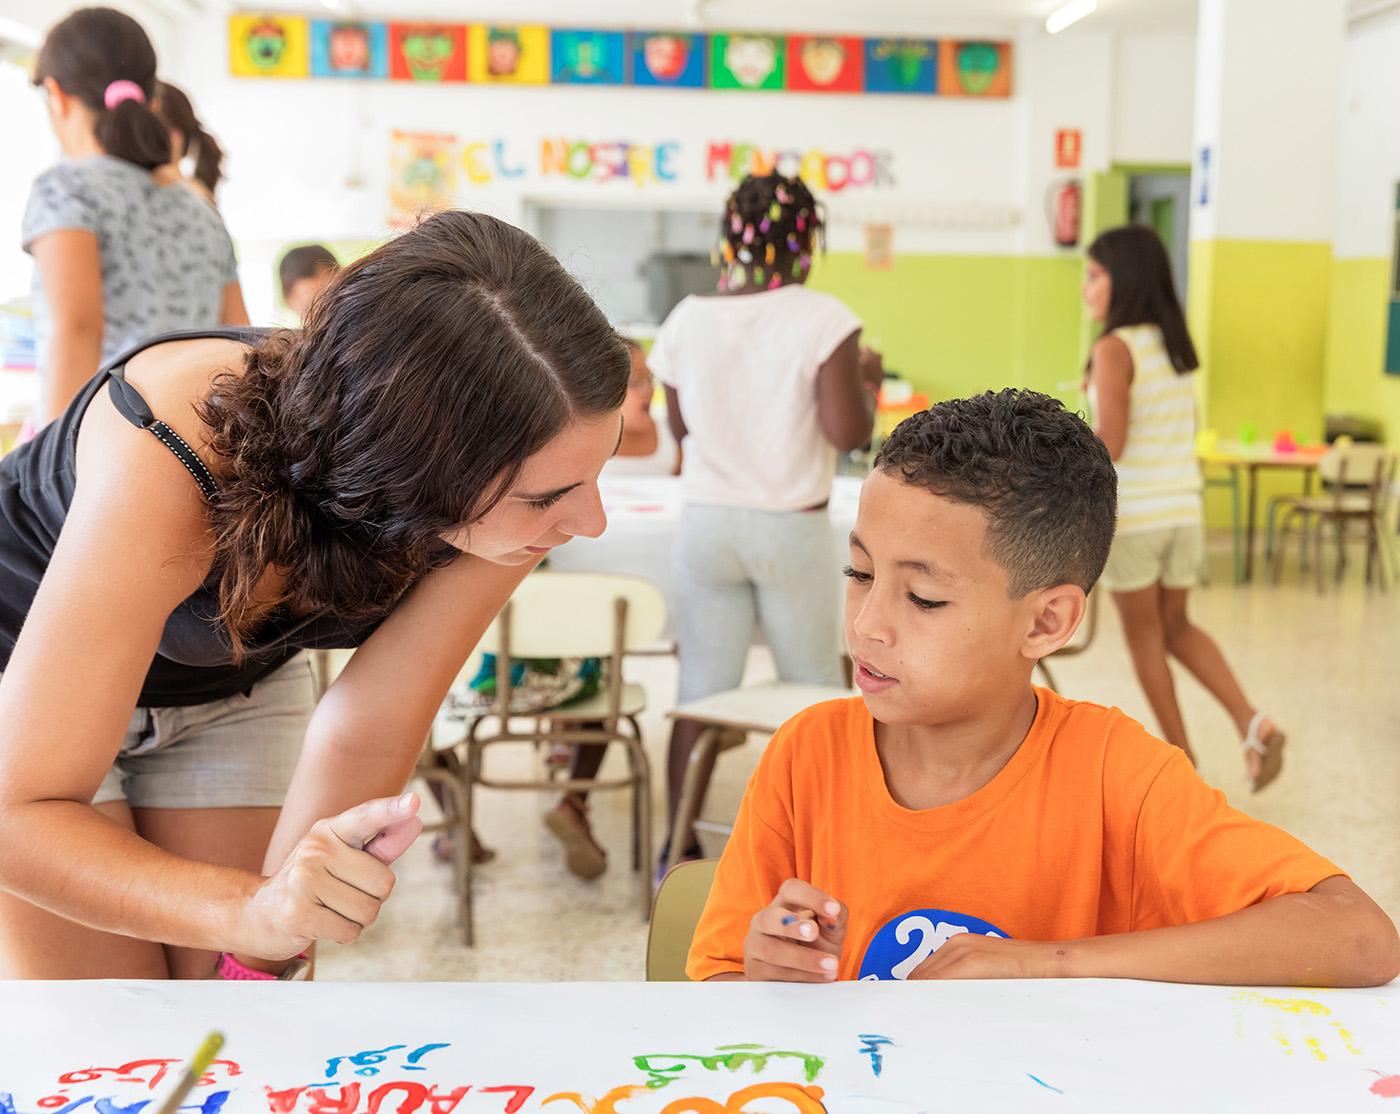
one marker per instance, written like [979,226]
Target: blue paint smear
[1044,1084]
[871,1044]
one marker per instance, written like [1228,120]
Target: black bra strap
[131,406]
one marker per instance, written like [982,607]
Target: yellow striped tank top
[1159,479]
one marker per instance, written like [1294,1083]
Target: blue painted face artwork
[896,951]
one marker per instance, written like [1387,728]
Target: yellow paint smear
[1347,1039]
[1287,1005]
[1315,1047]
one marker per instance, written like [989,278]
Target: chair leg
[464,844]
[1320,554]
[688,807]
[1281,553]
[1386,560]
[639,860]
[1269,516]
[641,815]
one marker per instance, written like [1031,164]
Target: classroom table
[681,1048]
[1252,459]
[644,514]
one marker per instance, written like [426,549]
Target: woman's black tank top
[193,663]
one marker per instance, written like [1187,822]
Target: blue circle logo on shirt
[910,938]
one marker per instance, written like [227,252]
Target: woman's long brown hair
[424,377]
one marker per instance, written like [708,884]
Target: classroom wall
[1368,170]
[1154,80]
[1263,214]
[972,180]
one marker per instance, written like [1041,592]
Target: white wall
[309,159]
[1266,104]
[971,177]
[1154,90]
[1368,149]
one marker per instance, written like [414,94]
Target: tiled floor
[1327,667]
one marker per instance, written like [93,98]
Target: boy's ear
[1056,616]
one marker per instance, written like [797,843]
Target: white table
[463,1048]
[644,515]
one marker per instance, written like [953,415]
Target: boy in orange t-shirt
[957,822]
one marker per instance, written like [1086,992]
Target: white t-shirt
[745,369]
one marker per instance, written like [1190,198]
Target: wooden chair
[1358,478]
[554,615]
[1082,640]
[727,718]
[680,900]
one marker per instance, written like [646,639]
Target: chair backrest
[674,915]
[1360,464]
[574,615]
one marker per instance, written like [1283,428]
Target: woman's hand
[797,937]
[333,883]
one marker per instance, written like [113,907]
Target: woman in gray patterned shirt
[118,255]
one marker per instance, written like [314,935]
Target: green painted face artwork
[908,60]
[266,44]
[427,54]
[977,66]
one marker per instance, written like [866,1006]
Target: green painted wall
[1258,313]
[959,324]
[1356,383]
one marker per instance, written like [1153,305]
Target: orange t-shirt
[1093,827]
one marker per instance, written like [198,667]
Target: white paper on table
[479,1048]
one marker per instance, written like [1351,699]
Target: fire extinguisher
[1065,212]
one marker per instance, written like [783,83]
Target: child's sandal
[1270,752]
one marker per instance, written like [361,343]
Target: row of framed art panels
[291,46]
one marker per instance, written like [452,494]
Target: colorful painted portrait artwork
[667,58]
[421,175]
[510,55]
[588,57]
[817,64]
[267,45]
[432,52]
[974,69]
[347,48]
[753,62]
[901,66]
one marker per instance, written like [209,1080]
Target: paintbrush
[193,1073]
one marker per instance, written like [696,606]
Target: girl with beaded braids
[766,236]
[766,382]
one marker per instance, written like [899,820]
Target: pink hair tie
[119,91]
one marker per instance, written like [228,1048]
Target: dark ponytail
[174,107]
[85,54]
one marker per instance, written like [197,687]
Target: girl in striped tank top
[1142,395]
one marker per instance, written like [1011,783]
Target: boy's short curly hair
[1044,480]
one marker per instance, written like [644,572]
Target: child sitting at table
[957,822]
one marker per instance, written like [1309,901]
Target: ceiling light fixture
[1068,14]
